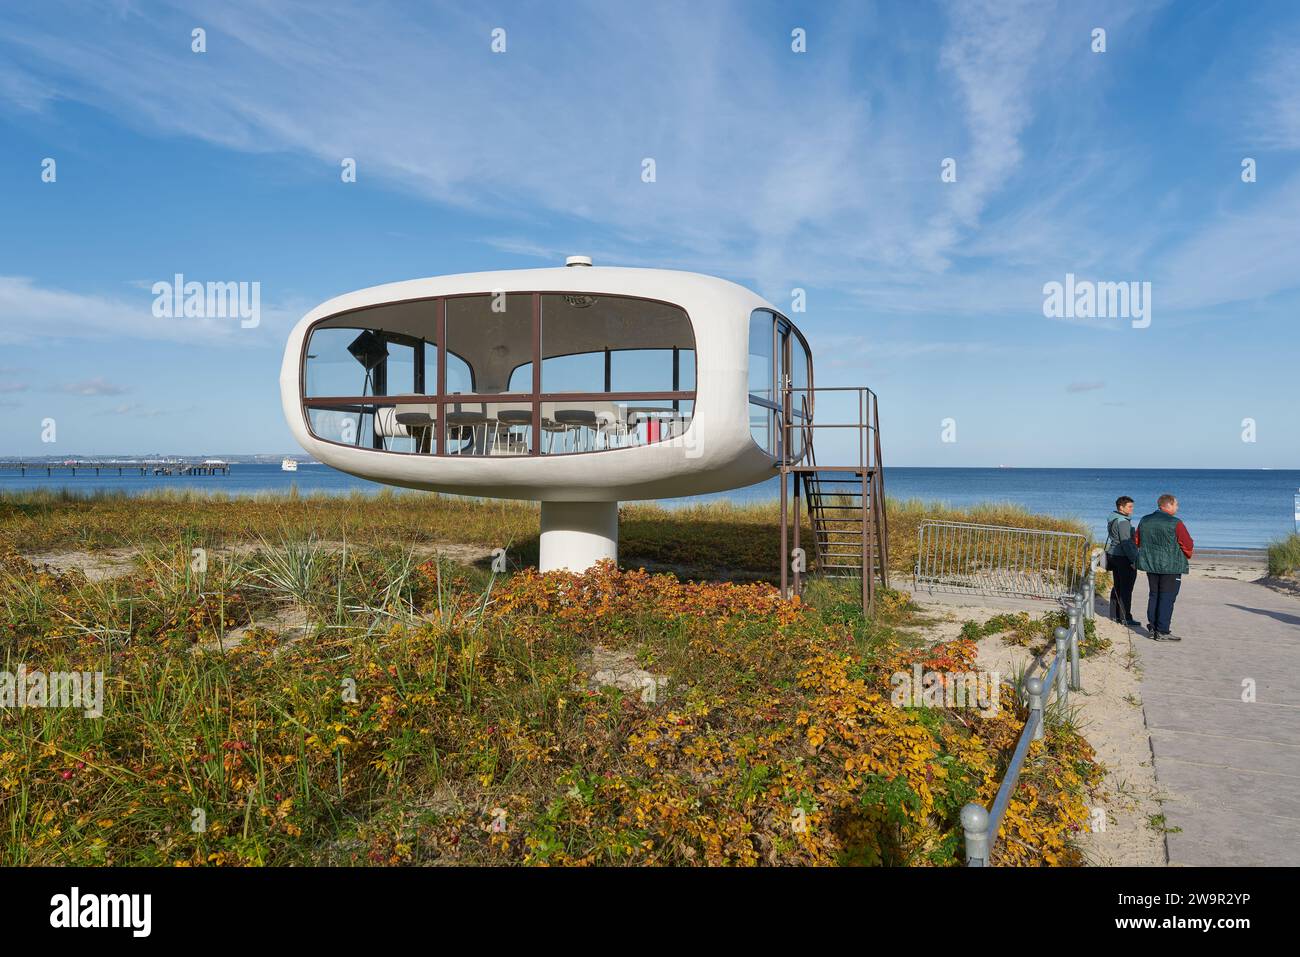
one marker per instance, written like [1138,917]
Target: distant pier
[121,467]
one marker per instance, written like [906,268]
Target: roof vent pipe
[578,261]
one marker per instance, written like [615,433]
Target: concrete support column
[576,535]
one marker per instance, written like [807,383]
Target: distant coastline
[1224,508]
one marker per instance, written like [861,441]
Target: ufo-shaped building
[577,387]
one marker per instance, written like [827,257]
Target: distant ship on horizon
[289,465]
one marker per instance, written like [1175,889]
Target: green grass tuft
[1284,556]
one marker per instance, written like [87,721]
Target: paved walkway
[1230,768]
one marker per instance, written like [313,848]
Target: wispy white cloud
[92,387]
[1250,251]
[1275,114]
[26,92]
[816,170]
[769,163]
[134,410]
[992,50]
[33,313]
[30,312]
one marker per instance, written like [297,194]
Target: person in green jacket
[1164,546]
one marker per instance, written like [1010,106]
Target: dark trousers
[1163,589]
[1121,596]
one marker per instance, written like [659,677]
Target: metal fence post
[1062,637]
[1076,636]
[975,822]
[1034,688]
[1090,592]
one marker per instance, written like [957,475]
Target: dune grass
[1284,556]
[712,538]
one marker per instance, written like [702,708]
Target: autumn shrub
[418,711]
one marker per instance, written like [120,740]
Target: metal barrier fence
[981,825]
[1000,561]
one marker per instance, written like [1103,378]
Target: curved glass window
[763,408]
[493,334]
[502,374]
[801,395]
[780,385]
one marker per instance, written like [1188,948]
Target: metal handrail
[980,825]
[808,473]
[867,424]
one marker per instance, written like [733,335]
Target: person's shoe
[1151,629]
[1133,623]
[1166,636]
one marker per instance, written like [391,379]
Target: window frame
[440,397]
[784,332]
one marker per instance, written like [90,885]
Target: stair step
[844,525]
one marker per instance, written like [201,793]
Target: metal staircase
[845,502]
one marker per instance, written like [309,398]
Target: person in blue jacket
[1121,560]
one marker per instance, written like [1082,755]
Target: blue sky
[817,170]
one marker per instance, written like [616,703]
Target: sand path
[1219,718]
[1223,706]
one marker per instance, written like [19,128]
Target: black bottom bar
[337,907]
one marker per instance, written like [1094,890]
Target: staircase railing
[800,451]
[865,422]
